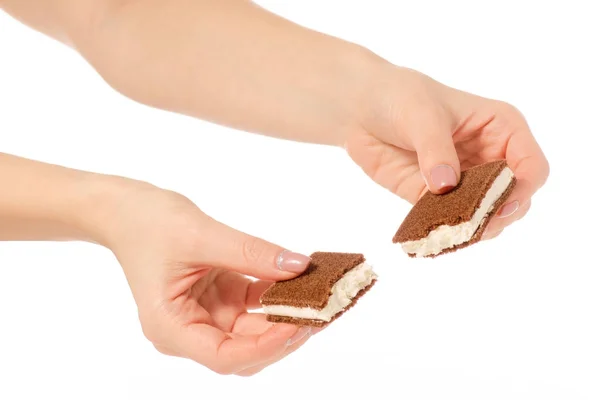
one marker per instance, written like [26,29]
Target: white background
[517,317]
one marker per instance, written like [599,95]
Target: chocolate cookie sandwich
[439,224]
[331,284]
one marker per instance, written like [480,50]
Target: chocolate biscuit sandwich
[332,283]
[443,223]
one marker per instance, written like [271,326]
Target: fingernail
[302,332]
[292,262]
[443,178]
[508,209]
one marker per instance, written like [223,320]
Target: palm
[195,294]
[223,299]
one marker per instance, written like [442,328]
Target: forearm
[67,21]
[226,61]
[233,63]
[42,201]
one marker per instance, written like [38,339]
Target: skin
[407,131]
[188,273]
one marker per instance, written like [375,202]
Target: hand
[418,135]
[187,274]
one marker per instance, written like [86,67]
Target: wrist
[97,211]
[392,94]
[43,201]
[368,82]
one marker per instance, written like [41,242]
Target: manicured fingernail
[508,209]
[301,334]
[292,262]
[443,178]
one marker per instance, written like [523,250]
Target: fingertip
[444,190]
[512,214]
[442,179]
[279,333]
[291,262]
[279,337]
[489,235]
[508,209]
[253,256]
[316,330]
[302,333]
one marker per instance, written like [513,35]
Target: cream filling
[341,296]
[447,236]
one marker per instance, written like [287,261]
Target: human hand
[188,274]
[417,135]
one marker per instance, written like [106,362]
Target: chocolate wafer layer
[477,236]
[317,322]
[330,285]
[439,224]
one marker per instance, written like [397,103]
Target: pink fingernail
[508,209]
[443,178]
[292,262]
[302,332]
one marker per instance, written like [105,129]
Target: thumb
[236,251]
[438,160]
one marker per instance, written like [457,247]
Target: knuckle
[415,101]
[509,117]
[509,109]
[545,173]
[253,250]
[511,114]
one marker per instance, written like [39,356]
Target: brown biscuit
[477,235]
[313,287]
[316,322]
[454,207]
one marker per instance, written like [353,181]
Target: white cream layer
[447,236]
[341,296]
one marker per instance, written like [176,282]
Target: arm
[64,20]
[226,61]
[172,255]
[236,64]
[46,202]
